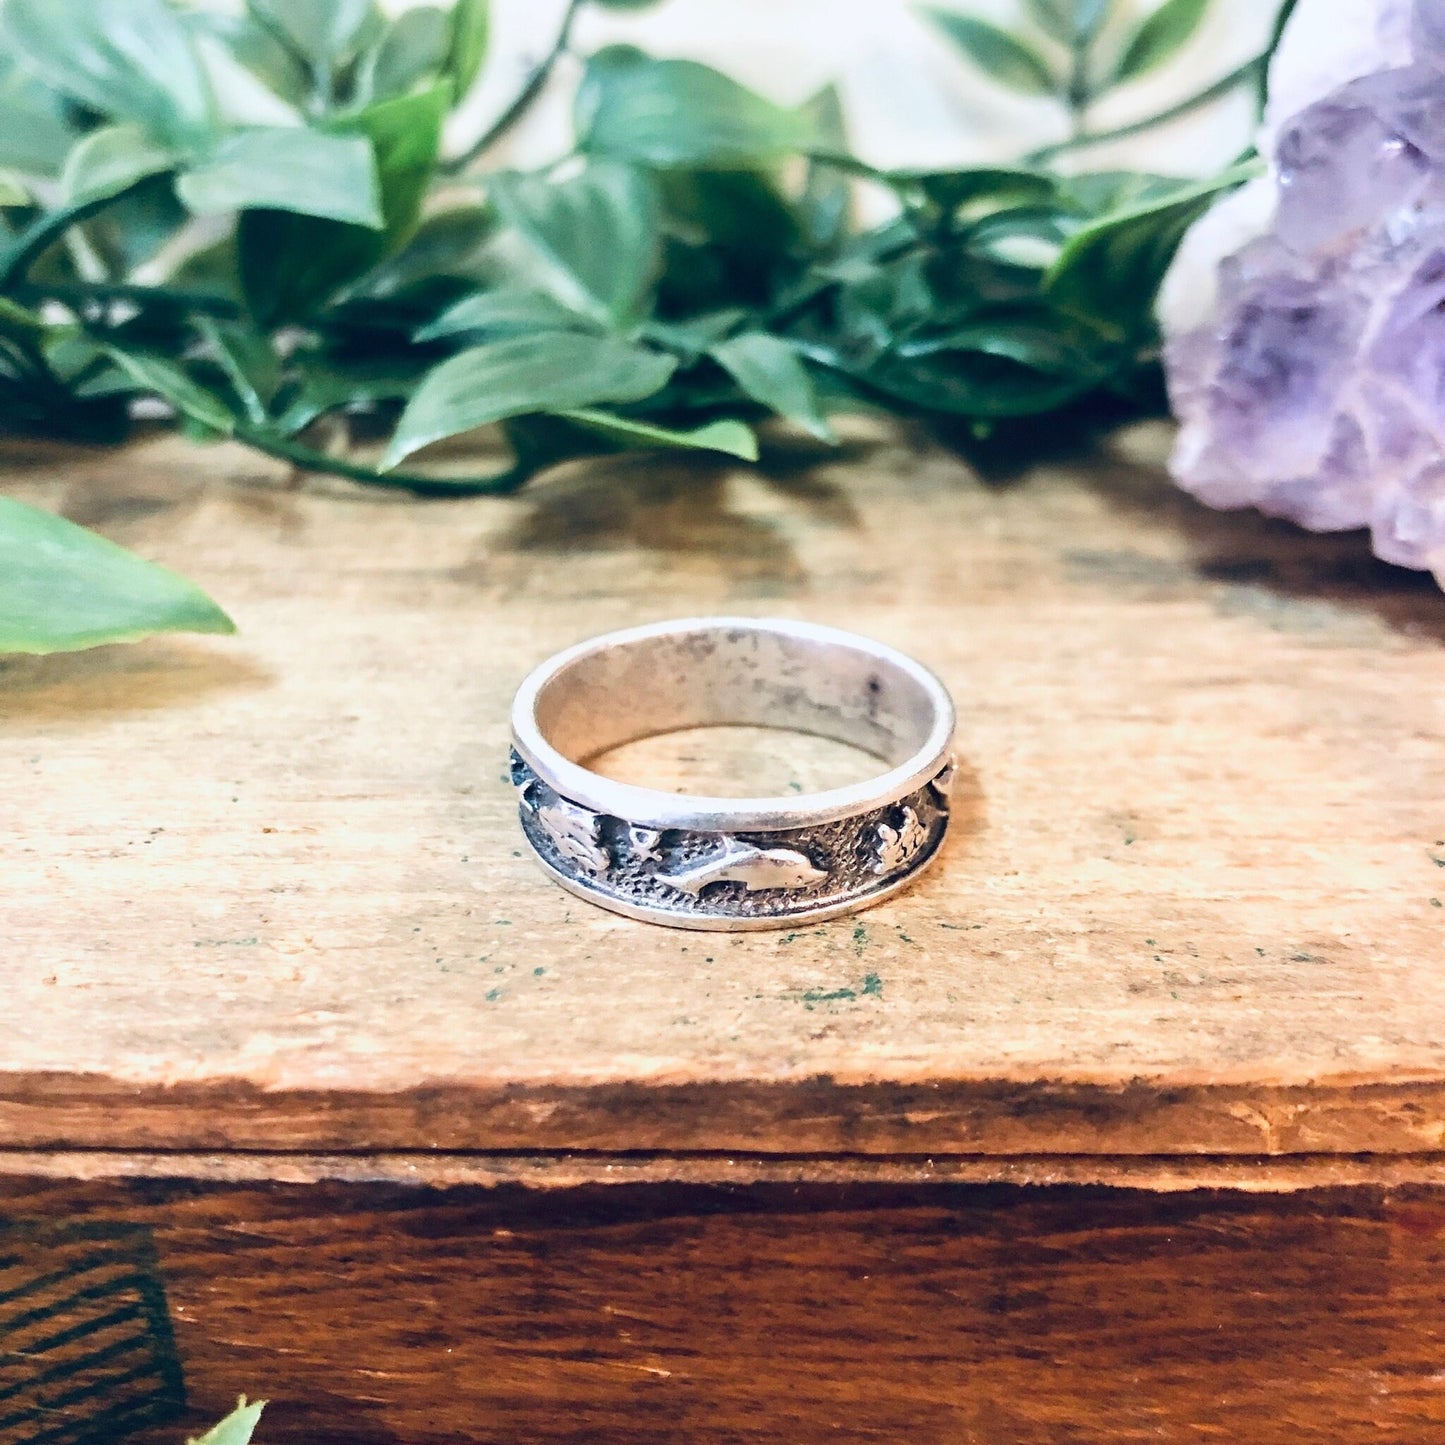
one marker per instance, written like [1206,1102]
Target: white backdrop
[910,99]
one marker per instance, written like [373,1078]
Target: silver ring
[732,863]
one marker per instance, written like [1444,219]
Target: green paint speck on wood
[871,987]
[816,995]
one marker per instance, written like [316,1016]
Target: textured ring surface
[732,863]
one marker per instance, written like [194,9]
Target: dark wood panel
[796,1313]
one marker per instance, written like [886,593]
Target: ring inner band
[733,675]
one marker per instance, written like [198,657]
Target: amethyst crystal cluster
[1305,316]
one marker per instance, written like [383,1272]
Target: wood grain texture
[268,893]
[796,1314]
[1172,1173]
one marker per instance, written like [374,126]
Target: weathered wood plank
[797,1314]
[267,892]
[1171,1173]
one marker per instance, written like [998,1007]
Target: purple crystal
[1427,32]
[1314,389]
[1341,165]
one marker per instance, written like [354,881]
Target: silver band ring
[732,863]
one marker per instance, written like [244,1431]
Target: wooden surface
[795,1315]
[267,893]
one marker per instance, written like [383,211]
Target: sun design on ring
[897,847]
[575,834]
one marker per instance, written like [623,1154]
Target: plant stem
[45,230]
[531,89]
[1220,87]
[107,292]
[311,460]
[1280,21]
[1077,96]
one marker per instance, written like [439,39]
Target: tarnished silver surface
[732,863]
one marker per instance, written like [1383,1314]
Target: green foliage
[677,113]
[237,1428]
[598,234]
[129,60]
[517,375]
[323,33]
[470,31]
[397,140]
[1074,50]
[110,160]
[1007,58]
[1159,36]
[65,587]
[417,45]
[731,438]
[771,373]
[1108,272]
[282,168]
[692,268]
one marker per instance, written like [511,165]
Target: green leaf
[111,160]
[12,190]
[769,371]
[131,59]
[167,380]
[1108,273]
[417,46]
[448,245]
[16,318]
[948,191]
[1037,343]
[1054,17]
[732,236]
[63,588]
[329,382]
[36,136]
[1009,60]
[973,384]
[292,264]
[545,371]
[130,230]
[257,48]
[1159,36]
[505,311]
[598,232]
[471,28]
[249,361]
[678,113]
[732,437]
[237,1428]
[691,339]
[322,32]
[1070,22]
[1098,193]
[1089,17]
[48,227]
[287,168]
[1028,237]
[825,206]
[406,135]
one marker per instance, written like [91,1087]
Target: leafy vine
[248,216]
